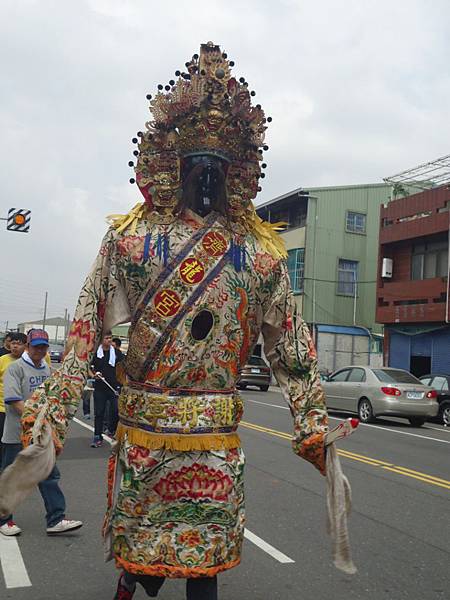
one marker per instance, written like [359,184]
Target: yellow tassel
[267,235]
[130,220]
[183,443]
[265,232]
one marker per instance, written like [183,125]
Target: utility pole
[45,311]
[68,326]
[65,325]
[355,294]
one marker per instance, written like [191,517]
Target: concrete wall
[326,222]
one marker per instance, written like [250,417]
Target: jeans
[102,398]
[2,425]
[86,402]
[54,501]
[201,588]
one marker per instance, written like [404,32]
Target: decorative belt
[179,419]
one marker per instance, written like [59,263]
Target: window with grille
[347,277]
[355,222]
[296,268]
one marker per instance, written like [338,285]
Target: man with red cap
[21,379]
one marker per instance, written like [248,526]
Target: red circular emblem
[214,243]
[191,271]
[167,303]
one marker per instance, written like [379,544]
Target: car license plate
[255,371]
[414,395]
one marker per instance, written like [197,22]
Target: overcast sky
[358,90]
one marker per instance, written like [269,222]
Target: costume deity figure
[200,277]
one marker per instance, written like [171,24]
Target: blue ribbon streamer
[148,239]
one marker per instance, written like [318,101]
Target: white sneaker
[64,525]
[10,528]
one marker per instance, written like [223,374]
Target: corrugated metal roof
[331,188]
[350,330]
[50,321]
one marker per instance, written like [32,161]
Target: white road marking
[424,437]
[379,427]
[267,404]
[273,552]
[13,567]
[444,430]
[86,426]
[252,537]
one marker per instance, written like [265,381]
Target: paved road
[399,527]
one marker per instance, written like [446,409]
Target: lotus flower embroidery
[196,482]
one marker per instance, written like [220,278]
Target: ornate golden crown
[205,111]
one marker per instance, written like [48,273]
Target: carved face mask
[160,180]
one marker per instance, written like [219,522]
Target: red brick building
[412,290]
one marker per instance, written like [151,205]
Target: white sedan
[373,392]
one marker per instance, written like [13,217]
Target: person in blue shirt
[21,379]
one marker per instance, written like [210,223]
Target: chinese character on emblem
[191,271]
[167,303]
[214,243]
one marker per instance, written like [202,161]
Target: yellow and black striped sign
[19,220]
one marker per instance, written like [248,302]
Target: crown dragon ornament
[206,111]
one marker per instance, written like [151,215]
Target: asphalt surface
[399,527]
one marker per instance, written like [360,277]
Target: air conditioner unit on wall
[386,268]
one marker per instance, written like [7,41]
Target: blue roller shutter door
[421,344]
[440,362]
[399,351]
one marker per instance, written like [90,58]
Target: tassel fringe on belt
[174,441]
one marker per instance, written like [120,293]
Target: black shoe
[123,593]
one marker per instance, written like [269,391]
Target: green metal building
[332,241]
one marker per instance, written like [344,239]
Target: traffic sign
[19,220]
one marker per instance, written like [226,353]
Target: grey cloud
[357,90]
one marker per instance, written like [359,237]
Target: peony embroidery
[190,538]
[264,263]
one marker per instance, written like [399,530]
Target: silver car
[373,392]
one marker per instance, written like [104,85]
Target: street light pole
[45,311]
